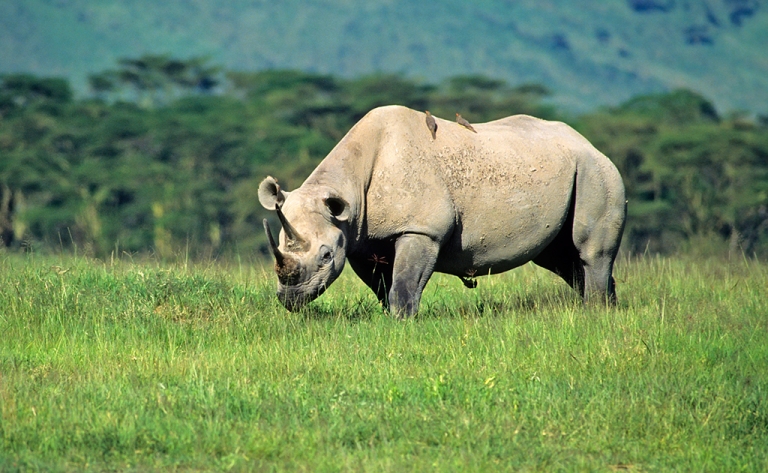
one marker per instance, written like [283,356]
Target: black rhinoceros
[399,205]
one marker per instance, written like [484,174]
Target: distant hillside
[591,52]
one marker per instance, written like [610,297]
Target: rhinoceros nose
[326,254]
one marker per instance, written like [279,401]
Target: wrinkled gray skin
[399,206]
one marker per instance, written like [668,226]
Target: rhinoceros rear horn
[294,239]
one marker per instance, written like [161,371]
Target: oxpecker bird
[461,121]
[431,124]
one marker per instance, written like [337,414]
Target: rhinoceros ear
[270,194]
[338,207]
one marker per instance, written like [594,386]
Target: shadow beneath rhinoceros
[367,308]
[354,310]
[536,305]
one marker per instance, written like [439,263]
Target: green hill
[589,53]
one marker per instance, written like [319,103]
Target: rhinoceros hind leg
[598,246]
[565,263]
[592,279]
[599,285]
[562,258]
[583,253]
[415,257]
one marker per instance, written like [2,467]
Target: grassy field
[138,366]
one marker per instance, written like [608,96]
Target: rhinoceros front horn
[287,267]
[294,239]
[272,246]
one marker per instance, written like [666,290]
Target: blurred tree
[687,171]
[29,107]
[156,79]
[677,107]
[373,91]
[482,99]
[24,92]
[7,204]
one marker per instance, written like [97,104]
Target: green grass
[147,366]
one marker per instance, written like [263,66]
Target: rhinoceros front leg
[415,258]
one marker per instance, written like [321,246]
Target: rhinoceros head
[312,246]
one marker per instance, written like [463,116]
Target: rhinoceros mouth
[296,300]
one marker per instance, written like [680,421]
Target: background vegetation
[166,154]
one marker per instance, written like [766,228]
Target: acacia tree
[28,109]
[153,80]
